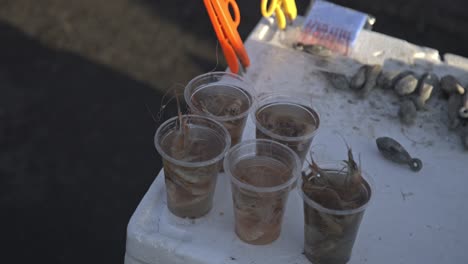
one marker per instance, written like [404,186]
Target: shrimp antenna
[344,140]
[179,112]
[165,100]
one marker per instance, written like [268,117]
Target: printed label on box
[332,26]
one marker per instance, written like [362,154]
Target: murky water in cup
[191,153]
[225,97]
[262,173]
[329,232]
[259,216]
[290,123]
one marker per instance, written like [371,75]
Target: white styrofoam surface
[210,239]
[414,218]
[456,60]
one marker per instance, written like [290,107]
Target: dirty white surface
[414,217]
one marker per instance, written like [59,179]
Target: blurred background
[81,87]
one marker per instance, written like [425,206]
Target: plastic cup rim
[177,162]
[285,100]
[295,173]
[192,107]
[370,182]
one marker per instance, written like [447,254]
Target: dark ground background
[76,81]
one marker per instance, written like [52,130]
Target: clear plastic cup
[225,97]
[329,233]
[262,173]
[192,154]
[287,120]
